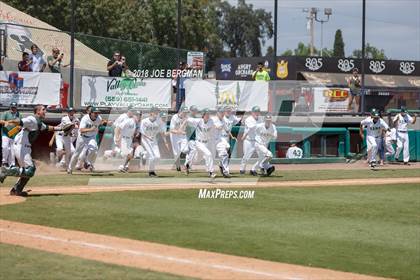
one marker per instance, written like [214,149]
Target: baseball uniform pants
[372,147]
[7,151]
[264,157]
[403,144]
[153,154]
[86,149]
[222,148]
[249,149]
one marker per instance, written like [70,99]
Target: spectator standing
[25,63]
[261,74]
[114,66]
[55,61]
[354,84]
[125,70]
[38,63]
[180,93]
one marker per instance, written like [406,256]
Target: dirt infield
[163,258]
[157,257]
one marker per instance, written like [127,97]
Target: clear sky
[392,25]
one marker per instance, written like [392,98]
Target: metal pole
[312,33]
[275,26]
[72,27]
[362,105]
[322,36]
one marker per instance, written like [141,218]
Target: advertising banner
[29,88]
[241,95]
[330,99]
[121,92]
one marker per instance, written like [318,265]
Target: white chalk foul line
[152,255]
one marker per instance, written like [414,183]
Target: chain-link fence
[91,53]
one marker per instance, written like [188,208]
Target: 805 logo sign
[377,66]
[345,65]
[313,64]
[407,67]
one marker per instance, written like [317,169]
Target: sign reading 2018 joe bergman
[118,92]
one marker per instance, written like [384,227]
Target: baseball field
[310,222]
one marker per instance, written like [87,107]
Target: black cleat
[406,163]
[187,169]
[152,174]
[178,168]
[270,170]
[253,173]
[15,193]
[212,175]
[221,169]
[226,175]
[242,172]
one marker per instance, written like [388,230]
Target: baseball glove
[67,128]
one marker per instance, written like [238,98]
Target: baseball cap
[193,108]
[206,111]
[228,107]
[163,114]
[184,109]
[373,111]
[154,109]
[220,110]
[256,109]
[13,105]
[403,110]
[95,110]
[375,114]
[268,117]
[71,109]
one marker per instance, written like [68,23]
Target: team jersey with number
[151,128]
[250,124]
[203,130]
[87,122]
[403,121]
[374,129]
[220,128]
[294,152]
[177,123]
[31,126]
[263,134]
[128,127]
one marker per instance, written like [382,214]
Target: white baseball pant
[86,149]
[403,144]
[64,144]
[264,157]
[7,150]
[153,154]
[126,146]
[222,148]
[249,149]
[372,147]
[179,144]
[192,153]
[389,149]
[23,155]
[203,150]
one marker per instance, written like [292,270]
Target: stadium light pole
[275,27]
[178,29]
[362,105]
[72,28]
[328,13]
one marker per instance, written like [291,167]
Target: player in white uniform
[401,122]
[203,136]
[375,127]
[86,145]
[124,133]
[231,120]
[150,127]
[390,139]
[31,127]
[264,134]
[249,137]
[294,151]
[191,136]
[178,135]
[221,140]
[64,142]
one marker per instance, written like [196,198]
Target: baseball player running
[221,141]
[125,131]
[86,145]
[204,133]
[264,133]
[375,126]
[401,122]
[150,127]
[249,137]
[8,134]
[390,138]
[178,135]
[64,141]
[192,150]
[31,128]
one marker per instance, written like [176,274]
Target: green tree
[243,29]
[338,50]
[371,52]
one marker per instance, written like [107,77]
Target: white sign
[331,99]
[195,60]
[241,95]
[123,92]
[29,88]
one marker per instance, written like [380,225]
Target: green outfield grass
[288,175]
[23,263]
[365,229]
